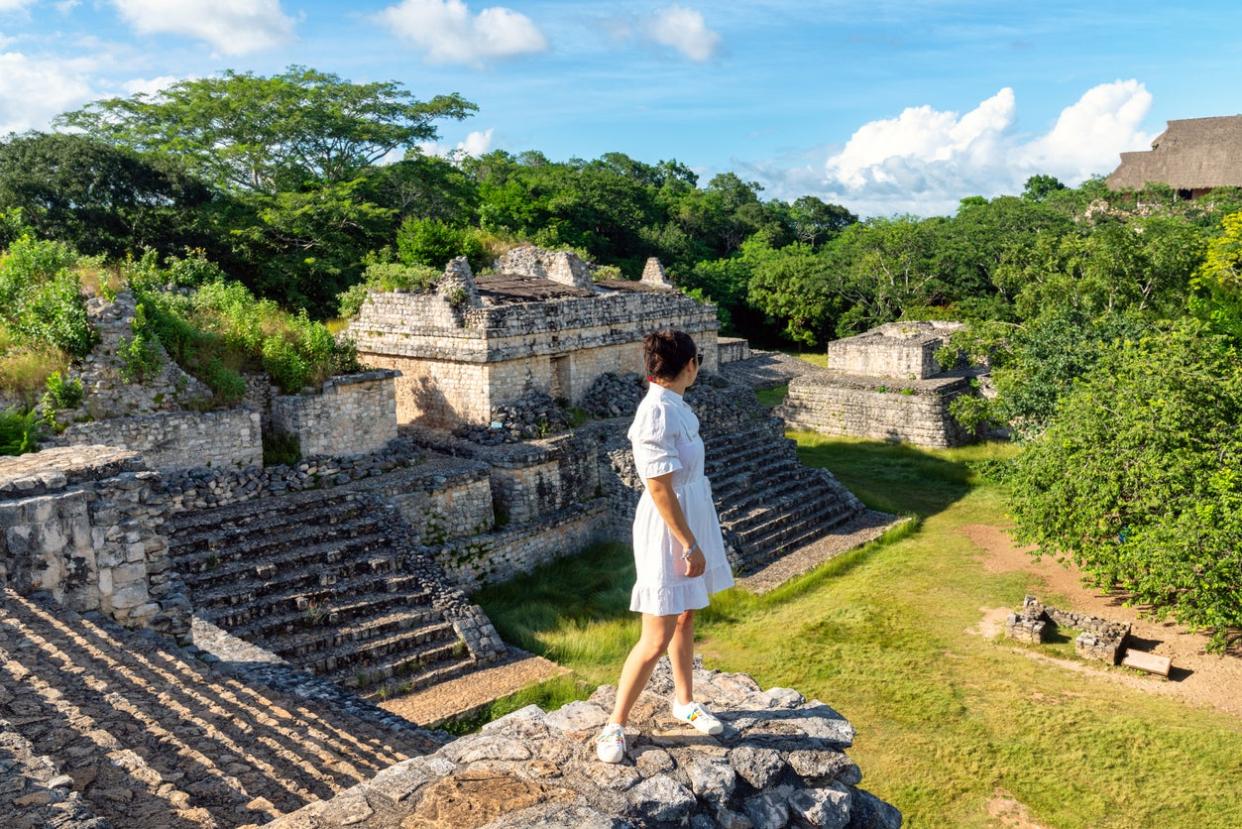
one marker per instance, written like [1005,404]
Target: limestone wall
[350,415]
[444,508]
[899,349]
[436,393]
[732,348]
[178,440]
[915,411]
[83,524]
[470,563]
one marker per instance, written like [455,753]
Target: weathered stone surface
[541,768]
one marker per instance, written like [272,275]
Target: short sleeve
[653,437]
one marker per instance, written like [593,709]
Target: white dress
[665,438]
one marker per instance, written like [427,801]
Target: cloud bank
[233,27]
[33,90]
[475,143]
[446,31]
[925,160]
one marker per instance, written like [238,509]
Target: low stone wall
[730,349]
[1100,639]
[445,506]
[83,525]
[350,415]
[498,556]
[36,794]
[915,411]
[779,762]
[178,440]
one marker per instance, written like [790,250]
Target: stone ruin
[884,384]
[190,638]
[1099,639]
[539,323]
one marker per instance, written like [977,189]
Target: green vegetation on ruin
[946,719]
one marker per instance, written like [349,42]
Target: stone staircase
[768,502]
[103,726]
[320,579]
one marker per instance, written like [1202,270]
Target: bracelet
[686,553]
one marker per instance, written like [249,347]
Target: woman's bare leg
[657,633]
[681,654]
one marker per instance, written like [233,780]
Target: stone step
[362,654]
[257,541]
[296,647]
[330,556]
[763,495]
[305,599]
[348,609]
[250,588]
[758,446]
[413,667]
[153,738]
[734,488]
[255,509]
[276,524]
[397,686]
[787,525]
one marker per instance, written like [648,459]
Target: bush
[1137,478]
[433,242]
[63,392]
[18,432]
[280,448]
[382,274]
[41,299]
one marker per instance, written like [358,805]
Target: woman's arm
[665,500]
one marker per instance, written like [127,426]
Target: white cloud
[66,6]
[35,90]
[475,144]
[684,30]
[234,27]
[447,32]
[14,5]
[925,160]
[148,86]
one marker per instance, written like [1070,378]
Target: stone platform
[780,762]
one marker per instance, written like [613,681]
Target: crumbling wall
[169,441]
[83,525]
[903,350]
[349,415]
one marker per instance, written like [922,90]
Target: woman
[678,549]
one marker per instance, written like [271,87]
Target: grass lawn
[946,720]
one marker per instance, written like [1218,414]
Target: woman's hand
[696,564]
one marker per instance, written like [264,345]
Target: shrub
[1136,477]
[24,370]
[382,274]
[40,297]
[18,432]
[63,392]
[433,242]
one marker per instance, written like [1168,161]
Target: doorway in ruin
[560,378]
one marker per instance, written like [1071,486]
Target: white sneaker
[698,716]
[610,744]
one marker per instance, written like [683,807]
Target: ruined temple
[1192,156]
[475,343]
[191,637]
[884,383]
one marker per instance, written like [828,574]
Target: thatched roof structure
[1194,154]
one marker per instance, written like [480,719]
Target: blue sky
[884,106]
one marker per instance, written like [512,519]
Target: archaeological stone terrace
[884,384]
[191,638]
[539,323]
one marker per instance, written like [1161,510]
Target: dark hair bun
[666,352]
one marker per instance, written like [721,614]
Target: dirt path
[1199,677]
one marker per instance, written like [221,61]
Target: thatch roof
[1191,154]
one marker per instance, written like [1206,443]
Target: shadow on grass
[893,477]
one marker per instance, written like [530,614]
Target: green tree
[1138,479]
[263,134]
[1218,282]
